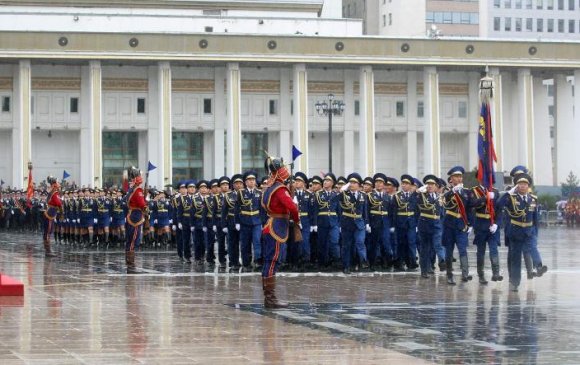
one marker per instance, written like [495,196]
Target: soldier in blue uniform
[404,207]
[379,240]
[86,216]
[305,201]
[456,226]
[325,222]
[249,215]
[230,221]
[198,225]
[429,225]
[353,222]
[162,211]
[119,211]
[315,185]
[391,188]
[209,223]
[486,231]
[184,212]
[103,209]
[522,208]
[223,184]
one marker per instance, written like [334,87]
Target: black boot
[480,272]
[529,266]
[270,300]
[541,270]
[495,269]
[449,268]
[464,263]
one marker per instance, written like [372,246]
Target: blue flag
[150,166]
[295,153]
[485,149]
[65,175]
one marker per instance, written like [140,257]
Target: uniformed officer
[103,210]
[405,206]
[223,188]
[119,211]
[305,200]
[379,206]
[325,221]
[456,226]
[162,211]
[198,225]
[353,222]
[429,225]
[209,202]
[315,185]
[184,211]
[87,217]
[230,221]
[249,212]
[522,208]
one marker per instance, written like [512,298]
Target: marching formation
[349,224]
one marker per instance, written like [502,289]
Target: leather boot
[130,261]
[529,266]
[270,300]
[464,263]
[47,250]
[541,270]
[449,268]
[495,269]
[480,272]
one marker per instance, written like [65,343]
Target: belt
[86,210]
[379,212]
[304,214]
[407,214]
[353,216]
[430,216]
[522,224]
[245,212]
[231,214]
[453,214]
[118,210]
[277,215]
[185,214]
[103,210]
[162,211]
[52,206]
[326,213]
[218,215]
[197,216]
[483,215]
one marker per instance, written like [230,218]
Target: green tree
[570,185]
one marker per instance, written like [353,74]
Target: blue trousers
[518,246]
[483,237]
[134,235]
[536,258]
[250,237]
[233,245]
[438,244]
[328,244]
[407,244]
[210,244]
[273,251]
[221,242]
[426,250]
[453,237]
[353,240]
[185,242]
[305,244]
[199,243]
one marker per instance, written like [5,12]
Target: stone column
[566,126]
[234,127]
[411,123]
[543,152]
[21,135]
[367,121]
[91,124]
[219,160]
[284,145]
[473,111]
[496,116]
[526,120]
[349,121]
[432,135]
[300,125]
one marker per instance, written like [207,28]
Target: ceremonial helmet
[51,180]
[133,172]
[276,168]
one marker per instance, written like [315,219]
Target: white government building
[200,88]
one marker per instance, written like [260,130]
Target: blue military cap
[202,183]
[342,180]
[237,178]
[519,169]
[213,182]
[301,176]
[191,184]
[354,177]
[393,181]
[316,180]
[250,175]
[407,178]
[456,170]
[523,177]
[431,179]
[417,182]
[379,176]
[224,180]
[263,180]
[330,176]
[369,180]
[441,182]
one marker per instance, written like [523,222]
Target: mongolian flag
[295,153]
[65,175]
[30,188]
[150,166]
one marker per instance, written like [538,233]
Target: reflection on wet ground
[80,307]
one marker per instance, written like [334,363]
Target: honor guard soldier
[278,204]
[223,184]
[305,201]
[353,222]
[248,212]
[198,225]
[162,211]
[209,203]
[184,211]
[340,182]
[315,185]
[230,221]
[54,205]
[136,205]
[103,208]
[522,208]
[456,226]
[379,240]
[404,207]
[429,225]
[86,215]
[118,214]
[485,224]
[325,222]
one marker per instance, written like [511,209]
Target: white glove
[180,226]
[95,221]
[493,228]
[491,194]
[345,187]
[192,229]
[171,221]
[78,220]
[469,230]
[300,226]
[225,230]
[237,226]
[457,188]
[339,229]
[315,228]
[295,200]
[214,228]
[111,219]
[416,229]
[422,189]
[368,228]
[513,190]
[204,229]
[173,227]
[311,229]
[392,229]
[155,221]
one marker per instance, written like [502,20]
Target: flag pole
[486,151]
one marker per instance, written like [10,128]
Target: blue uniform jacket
[522,215]
[453,217]
[379,209]
[353,210]
[249,208]
[405,209]
[325,209]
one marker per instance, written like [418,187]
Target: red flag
[30,189]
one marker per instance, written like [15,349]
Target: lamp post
[329,107]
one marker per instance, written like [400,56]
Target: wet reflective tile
[81,307]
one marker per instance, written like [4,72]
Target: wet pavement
[80,307]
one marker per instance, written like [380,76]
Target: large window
[508,24]
[496,23]
[253,147]
[550,25]
[120,150]
[187,152]
[529,24]
[540,25]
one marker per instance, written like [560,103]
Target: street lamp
[329,107]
